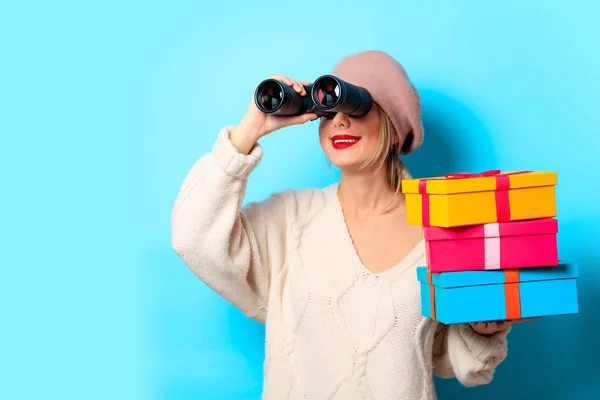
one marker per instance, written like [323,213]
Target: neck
[367,193]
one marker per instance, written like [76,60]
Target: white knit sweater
[334,330]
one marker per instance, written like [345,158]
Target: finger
[307,117]
[298,88]
[304,84]
[479,326]
[491,327]
[282,121]
[301,119]
[296,85]
[500,326]
[303,91]
[283,79]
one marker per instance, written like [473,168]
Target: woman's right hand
[256,124]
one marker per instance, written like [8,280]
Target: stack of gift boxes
[491,245]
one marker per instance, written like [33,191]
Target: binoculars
[327,96]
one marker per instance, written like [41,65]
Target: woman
[331,272]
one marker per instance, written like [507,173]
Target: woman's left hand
[492,327]
[489,328]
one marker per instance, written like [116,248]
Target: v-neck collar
[409,260]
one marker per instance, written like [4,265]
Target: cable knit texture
[334,330]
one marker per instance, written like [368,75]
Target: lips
[344,141]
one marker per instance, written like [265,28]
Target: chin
[347,166]
[345,160]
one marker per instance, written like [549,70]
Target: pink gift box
[505,245]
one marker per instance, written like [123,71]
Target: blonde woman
[331,272]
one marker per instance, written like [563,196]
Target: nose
[341,120]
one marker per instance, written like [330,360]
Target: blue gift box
[479,296]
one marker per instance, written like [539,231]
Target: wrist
[244,136]
[252,127]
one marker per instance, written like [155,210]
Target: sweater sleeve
[235,250]
[461,353]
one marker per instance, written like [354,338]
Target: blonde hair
[388,153]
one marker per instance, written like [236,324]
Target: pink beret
[390,87]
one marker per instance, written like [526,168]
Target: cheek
[323,130]
[370,131]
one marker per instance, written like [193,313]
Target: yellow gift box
[471,199]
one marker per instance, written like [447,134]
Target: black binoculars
[327,96]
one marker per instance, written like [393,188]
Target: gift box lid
[516,228]
[479,182]
[565,270]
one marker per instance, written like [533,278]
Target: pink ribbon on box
[467,175]
[424,201]
[501,192]
[491,233]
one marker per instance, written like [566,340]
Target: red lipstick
[344,141]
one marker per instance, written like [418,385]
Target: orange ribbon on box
[512,294]
[431,295]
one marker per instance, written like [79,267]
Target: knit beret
[390,87]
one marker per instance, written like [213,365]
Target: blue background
[104,106]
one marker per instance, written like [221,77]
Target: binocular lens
[270,96]
[328,92]
[332,95]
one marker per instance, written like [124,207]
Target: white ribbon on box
[492,246]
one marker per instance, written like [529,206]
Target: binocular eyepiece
[327,96]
